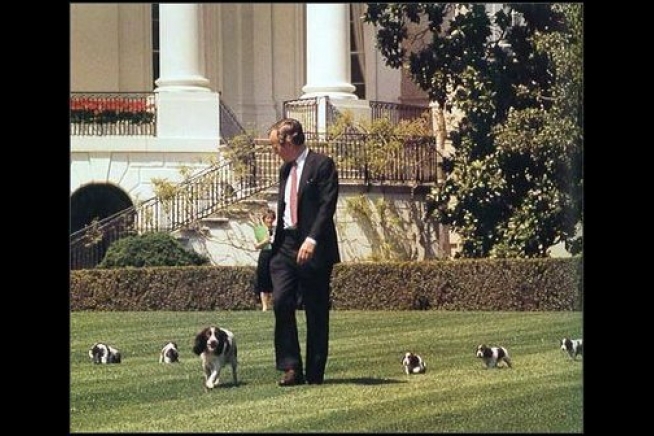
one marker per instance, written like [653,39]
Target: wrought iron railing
[107,113]
[395,112]
[124,113]
[129,113]
[307,111]
[229,125]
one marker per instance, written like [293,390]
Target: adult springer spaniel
[103,353]
[216,348]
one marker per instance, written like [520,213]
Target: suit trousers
[310,284]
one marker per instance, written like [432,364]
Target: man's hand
[305,253]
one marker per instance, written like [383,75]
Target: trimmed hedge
[483,284]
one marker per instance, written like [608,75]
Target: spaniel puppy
[413,364]
[103,353]
[169,353]
[216,348]
[574,347]
[493,356]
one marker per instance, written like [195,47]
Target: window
[357,64]
[155,43]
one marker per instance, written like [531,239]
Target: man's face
[286,151]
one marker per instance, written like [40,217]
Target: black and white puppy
[493,356]
[103,353]
[216,348]
[169,353]
[413,364]
[574,347]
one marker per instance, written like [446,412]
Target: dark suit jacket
[317,197]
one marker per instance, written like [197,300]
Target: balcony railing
[395,112]
[104,113]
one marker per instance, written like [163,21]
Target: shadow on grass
[226,385]
[368,381]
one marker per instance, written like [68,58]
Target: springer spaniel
[493,356]
[169,353]
[216,348]
[103,353]
[574,347]
[413,364]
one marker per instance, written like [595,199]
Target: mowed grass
[365,388]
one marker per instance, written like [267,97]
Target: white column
[180,60]
[328,51]
[186,106]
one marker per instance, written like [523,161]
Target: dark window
[356,73]
[155,43]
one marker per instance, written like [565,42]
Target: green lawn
[365,389]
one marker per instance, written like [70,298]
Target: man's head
[287,138]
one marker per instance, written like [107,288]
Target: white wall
[94,64]
[110,47]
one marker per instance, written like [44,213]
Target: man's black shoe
[291,378]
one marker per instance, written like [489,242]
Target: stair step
[254,201]
[215,220]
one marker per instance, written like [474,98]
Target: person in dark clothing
[304,252]
[263,235]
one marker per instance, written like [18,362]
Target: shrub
[148,250]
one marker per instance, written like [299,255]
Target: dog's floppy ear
[97,352]
[223,344]
[200,342]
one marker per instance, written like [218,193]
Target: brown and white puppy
[216,348]
[574,347]
[493,356]
[103,353]
[169,353]
[413,364]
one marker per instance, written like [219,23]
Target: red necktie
[293,196]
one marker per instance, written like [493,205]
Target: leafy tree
[514,184]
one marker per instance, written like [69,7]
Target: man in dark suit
[305,250]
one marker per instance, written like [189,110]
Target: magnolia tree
[514,185]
